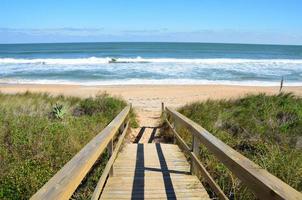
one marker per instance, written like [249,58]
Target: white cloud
[70,34]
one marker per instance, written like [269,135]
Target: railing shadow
[142,131]
[138,187]
[166,174]
[139,174]
[140,134]
[152,135]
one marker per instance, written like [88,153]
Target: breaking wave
[107,60]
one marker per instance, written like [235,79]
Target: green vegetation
[266,129]
[58,111]
[40,133]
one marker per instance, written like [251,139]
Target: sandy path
[149,122]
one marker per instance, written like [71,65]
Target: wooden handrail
[263,184]
[63,184]
[100,185]
[199,165]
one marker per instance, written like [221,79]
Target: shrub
[102,103]
[58,111]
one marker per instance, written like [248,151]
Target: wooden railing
[63,184]
[261,182]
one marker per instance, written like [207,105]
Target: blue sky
[230,21]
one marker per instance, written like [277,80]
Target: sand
[149,97]
[146,99]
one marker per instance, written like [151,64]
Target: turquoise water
[150,63]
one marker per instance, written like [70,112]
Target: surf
[108,60]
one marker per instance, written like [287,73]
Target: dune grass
[266,129]
[39,133]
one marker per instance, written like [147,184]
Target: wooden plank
[264,184]
[154,177]
[189,182]
[65,181]
[110,151]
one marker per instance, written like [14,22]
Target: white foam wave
[99,60]
[149,82]
[56,61]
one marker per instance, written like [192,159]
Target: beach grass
[39,133]
[265,129]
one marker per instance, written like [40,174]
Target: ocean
[150,63]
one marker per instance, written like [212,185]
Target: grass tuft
[58,111]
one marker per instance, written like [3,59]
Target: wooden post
[281,84]
[173,125]
[121,129]
[163,114]
[110,151]
[195,150]
[192,147]
[174,136]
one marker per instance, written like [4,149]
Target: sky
[219,21]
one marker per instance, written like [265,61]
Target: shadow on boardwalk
[138,189]
[142,131]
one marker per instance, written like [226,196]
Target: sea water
[150,63]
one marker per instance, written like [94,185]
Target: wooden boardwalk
[146,170]
[152,171]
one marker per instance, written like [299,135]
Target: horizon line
[231,43]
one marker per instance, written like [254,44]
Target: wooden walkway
[147,170]
[152,171]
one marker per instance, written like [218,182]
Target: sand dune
[146,99]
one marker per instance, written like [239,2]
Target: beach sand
[147,99]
